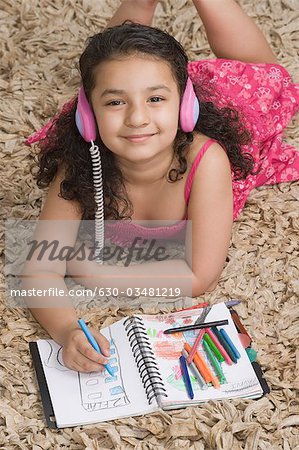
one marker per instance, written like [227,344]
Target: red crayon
[200,305]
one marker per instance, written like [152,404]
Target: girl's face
[136,104]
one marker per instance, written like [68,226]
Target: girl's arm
[231,33]
[140,11]
[59,221]
[210,209]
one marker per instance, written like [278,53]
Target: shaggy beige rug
[40,43]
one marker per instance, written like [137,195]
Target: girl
[134,78]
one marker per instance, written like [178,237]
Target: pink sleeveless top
[123,232]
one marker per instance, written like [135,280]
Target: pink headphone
[189,113]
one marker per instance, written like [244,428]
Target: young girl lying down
[165,140]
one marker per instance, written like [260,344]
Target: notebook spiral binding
[145,359]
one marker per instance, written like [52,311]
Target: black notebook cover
[43,387]
[256,366]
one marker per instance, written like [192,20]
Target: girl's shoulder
[55,206]
[199,143]
[209,173]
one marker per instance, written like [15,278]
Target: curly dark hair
[65,148]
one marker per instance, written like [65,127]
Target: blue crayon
[231,303]
[186,377]
[230,343]
[94,343]
[225,344]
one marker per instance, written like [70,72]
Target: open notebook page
[83,398]
[242,380]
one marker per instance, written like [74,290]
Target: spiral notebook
[146,369]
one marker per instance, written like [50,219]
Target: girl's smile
[139,137]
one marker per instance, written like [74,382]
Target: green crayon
[213,347]
[215,363]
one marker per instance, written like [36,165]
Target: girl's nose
[137,116]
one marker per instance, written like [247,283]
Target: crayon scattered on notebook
[214,362]
[203,315]
[230,343]
[239,325]
[225,344]
[200,335]
[195,345]
[200,305]
[186,377]
[203,367]
[213,347]
[195,372]
[219,346]
[228,303]
[199,326]
[231,303]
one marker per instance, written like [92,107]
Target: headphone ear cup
[84,118]
[189,110]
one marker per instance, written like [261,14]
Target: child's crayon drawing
[54,359]
[153,333]
[98,390]
[102,391]
[167,349]
[169,319]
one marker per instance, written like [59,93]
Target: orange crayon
[202,367]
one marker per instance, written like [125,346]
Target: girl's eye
[114,103]
[157,99]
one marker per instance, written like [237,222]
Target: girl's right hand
[78,354]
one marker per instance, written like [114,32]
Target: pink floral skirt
[267,100]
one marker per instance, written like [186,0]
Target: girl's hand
[78,354]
